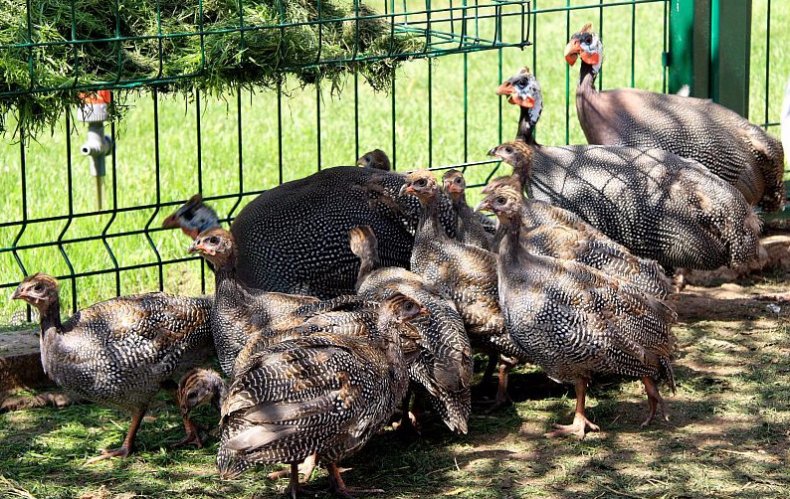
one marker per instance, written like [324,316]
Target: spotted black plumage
[118,352]
[725,143]
[323,393]
[657,204]
[473,228]
[294,238]
[239,312]
[575,321]
[444,366]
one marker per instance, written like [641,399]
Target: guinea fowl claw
[577,428]
[192,438]
[109,454]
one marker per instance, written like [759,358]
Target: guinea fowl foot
[192,438]
[109,454]
[338,486]
[654,400]
[577,428]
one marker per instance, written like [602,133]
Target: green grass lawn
[727,437]
[47,173]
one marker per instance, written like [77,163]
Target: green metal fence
[439,110]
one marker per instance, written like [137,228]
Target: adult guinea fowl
[121,351]
[653,202]
[375,159]
[239,312]
[294,238]
[464,273]
[552,231]
[444,370]
[324,394]
[473,228]
[737,151]
[576,322]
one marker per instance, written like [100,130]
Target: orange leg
[128,442]
[338,486]
[306,468]
[654,399]
[580,421]
[502,397]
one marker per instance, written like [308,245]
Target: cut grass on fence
[728,434]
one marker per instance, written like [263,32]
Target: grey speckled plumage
[294,238]
[118,352]
[239,312]
[575,321]
[444,367]
[553,231]
[735,150]
[655,203]
[323,393]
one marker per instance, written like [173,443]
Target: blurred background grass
[46,170]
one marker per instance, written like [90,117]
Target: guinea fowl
[473,228]
[324,394]
[119,352]
[294,238]
[193,217]
[553,231]
[464,273]
[576,322]
[444,370]
[653,202]
[375,159]
[239,311]
[735,150]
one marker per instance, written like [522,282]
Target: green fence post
[689,46]
[730,45]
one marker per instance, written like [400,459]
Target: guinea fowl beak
[492,151]
[170,222]
[405,189]
[506,88]
[483,206]
[572,51]
[17,294]
[193,247]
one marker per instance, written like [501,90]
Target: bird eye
[188,215]
[367,158]
[508,149]
[421,183]
[458,180]
[588,39]
[38,287]
[501,200]
[213,240]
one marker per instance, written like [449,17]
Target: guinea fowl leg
[128,442]
[306,468]
[654,399]
[580,421]
[493,360]
[502,397]
[338,486]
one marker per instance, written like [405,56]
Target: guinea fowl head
[215,245]
[454,184]
[401,309]
[421,184]
[39,290]
[522,89]
[505,201]
[193,217]
[518,155]
[586,44]
[375,159]
[197,387]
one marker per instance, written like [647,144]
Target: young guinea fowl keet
[464,273]
[375,159]
[576,322]
[655,203]
[473,228]
[121,351]
[193,217]
[444,370]
[324,393]
[735,150]
[553,231]
[239,312]
[322,208]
